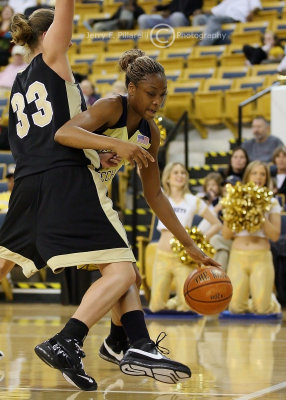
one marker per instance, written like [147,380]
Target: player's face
[147,97]
[258,175]
[178,177]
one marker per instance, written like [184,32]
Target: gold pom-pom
[200,240]
[163,133]
[244,206]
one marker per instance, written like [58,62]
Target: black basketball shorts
[62,218]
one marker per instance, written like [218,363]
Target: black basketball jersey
[41,102]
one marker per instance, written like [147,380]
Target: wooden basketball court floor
[230,359]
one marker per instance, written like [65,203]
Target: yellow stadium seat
[82,68]
[110,57]
[202,62]
[92,47]
[172,63]
[231,60]
[176,104]
[208,108]
[184,86]
[116,45]
[234,48]
[202,51]
[264,69]
[253,26]
[104,78]
[279,28]
[273,5]
[170,52]
[217,85]
[251,37]
[101,88]
[263,106]
[102,68]
[232,99]
[199,73]
[232,72]
[182,42]
[266,15]
[255,83]
[145,45]
[173,74]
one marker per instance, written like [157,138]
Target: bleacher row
[206,81]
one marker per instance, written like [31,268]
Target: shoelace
[159,339]
[79,351]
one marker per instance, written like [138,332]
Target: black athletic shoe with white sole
[65,355]
[113,351]
[145,358]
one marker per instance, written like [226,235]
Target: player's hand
[109,159]
[200,257]
[134,154]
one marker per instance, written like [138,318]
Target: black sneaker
[145,359]
[113,351]
[65,355]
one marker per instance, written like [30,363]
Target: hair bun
[128,57]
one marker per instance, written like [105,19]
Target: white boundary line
[260,393]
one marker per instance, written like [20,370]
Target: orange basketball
[208,290]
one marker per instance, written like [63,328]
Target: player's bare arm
[161,205]
[77,133]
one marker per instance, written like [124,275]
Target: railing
[248,101]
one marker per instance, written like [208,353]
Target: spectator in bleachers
[263,144]
[167,266]
[17,64]
[5,35]
[270,51]
[124,18]
[176,13]
[118,87]
[89,92]
[39,4]
[20,6]
[237,164]
[250,267]
[278,170]
[226,12]
[5,196]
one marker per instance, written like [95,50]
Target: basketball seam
[210,301]
[207,284]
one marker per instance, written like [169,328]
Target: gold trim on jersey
[29,268]
[107,174]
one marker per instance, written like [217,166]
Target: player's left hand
[109,159]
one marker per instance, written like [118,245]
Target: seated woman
[250,267]
[270,51]
[167,266]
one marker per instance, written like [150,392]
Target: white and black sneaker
[113,351]
[65,355]
[146,358]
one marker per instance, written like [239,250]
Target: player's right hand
[200,257]
[134,154]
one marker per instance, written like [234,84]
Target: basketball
[208,290]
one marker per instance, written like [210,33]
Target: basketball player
[59,214]
[130,119]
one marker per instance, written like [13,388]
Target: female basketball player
[167,267]
[250,267]
[59,214]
